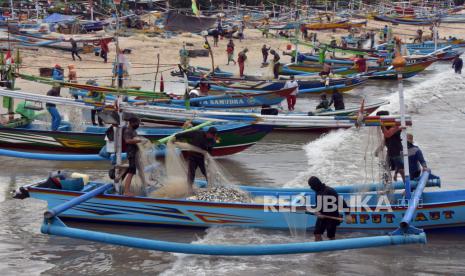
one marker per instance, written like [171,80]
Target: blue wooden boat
[307,85]
[233,100]
[440,210]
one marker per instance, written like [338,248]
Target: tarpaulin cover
[185,23]
[57,17]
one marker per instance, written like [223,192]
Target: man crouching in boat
[202,140]
[327,220]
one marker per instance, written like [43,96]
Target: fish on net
[171,181]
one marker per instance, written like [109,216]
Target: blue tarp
[57,17]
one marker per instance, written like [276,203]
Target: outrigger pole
[57,227]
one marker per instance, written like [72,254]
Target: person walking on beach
[328,218]
[276,59]
[292,98]
[216,37]
[265,51]
[385,33]
[230,51]
[104,49]
[241,58]
[457,64]
[74,49]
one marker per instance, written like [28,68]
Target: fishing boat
[343,24]
[307,85]
[232,100]
[440,210]
[37,136]
[282,122]
[29,134]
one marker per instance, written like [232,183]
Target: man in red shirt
[361,64]
[241,58]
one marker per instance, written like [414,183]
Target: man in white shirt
[292,98]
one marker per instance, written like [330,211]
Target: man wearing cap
[130,141]
[200,139]
[327,219]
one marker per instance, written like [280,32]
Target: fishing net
[174,180]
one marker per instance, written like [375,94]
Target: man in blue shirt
[416,160]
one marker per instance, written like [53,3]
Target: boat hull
[435,215]
[232,139]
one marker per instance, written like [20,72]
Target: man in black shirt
[130,139]
[276,59]
[74,49]
[338,100]
[328,219]
[203,140]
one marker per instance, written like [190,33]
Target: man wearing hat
[328,219]
[205,140]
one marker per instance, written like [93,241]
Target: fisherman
[419,36]
[360,63]
[241,30]
[324,104]
[52,109]
[57,73]
[216,37]
[393,142]
[292,98]
[385,33]
[337,99]
[74,49]
[276,64]
[416,161]
[457,64]
[328,218]
[203,85]
[230,51]
[96,99]
[326,70]
[265,51]
[241,58]
[121,68]
[184,56]
[104,49]
[131,141]
[372,36]
[72,78]
[266,30]
[200,139]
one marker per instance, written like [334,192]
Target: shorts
[328,225]
[132,165]
[397,163]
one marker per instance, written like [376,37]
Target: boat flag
[195,8]
[8,58]
[162,84]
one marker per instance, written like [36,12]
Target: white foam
[441,84]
